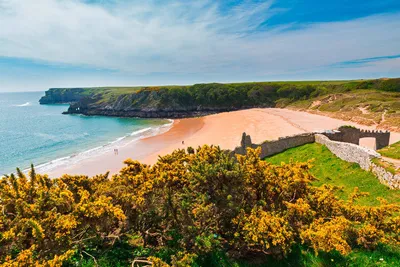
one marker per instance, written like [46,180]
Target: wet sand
[223,129]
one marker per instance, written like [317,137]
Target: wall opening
[369,142]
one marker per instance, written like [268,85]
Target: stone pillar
[246,142]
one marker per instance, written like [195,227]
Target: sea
[31,133]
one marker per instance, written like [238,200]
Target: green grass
[392,151]
[329,169]
[300,256]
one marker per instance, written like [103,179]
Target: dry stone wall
[349,152]
[386,177]
[363,156]
[269,148]
[352,135]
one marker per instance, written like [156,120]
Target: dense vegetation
[200,208]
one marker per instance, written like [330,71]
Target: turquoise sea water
[40,134]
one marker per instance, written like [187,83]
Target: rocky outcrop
[145,113]
[62,96]
[142,104]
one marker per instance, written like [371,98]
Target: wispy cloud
[364,61]
[186,37]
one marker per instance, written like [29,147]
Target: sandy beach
[223,129]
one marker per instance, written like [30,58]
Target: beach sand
[223,129]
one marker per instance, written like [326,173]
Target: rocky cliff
[145,103]
[62,95]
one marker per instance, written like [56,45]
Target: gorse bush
[183,208]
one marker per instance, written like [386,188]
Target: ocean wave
[118,143]
[23,105]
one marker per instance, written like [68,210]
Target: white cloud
[191,37]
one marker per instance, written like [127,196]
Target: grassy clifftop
[376,101]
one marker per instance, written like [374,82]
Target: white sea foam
[118,143]
[23,105]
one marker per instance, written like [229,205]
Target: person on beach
[183,142]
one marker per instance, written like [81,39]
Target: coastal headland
[369,102]
[218,114]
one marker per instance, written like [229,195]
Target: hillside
[368,107]
[371,99]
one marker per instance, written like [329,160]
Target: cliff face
[140,103]
[62,96]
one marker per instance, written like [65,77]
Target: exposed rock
[61,96]
[142,104]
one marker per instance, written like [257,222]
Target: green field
[329,169]
[392,151]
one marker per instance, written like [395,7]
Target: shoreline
[77,157]
[223,129]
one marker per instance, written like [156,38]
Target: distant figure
[116,150]
[183,142]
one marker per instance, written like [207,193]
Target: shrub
[186,206]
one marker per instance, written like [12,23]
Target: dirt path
[395,162]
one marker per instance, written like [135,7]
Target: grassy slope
[392,151]
[367,107]
[331,170]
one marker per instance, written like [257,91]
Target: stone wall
[386,177]
[349,152]
[352,135]
[269,148]
[361,155]
[382,138]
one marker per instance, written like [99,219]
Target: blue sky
[65,43]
